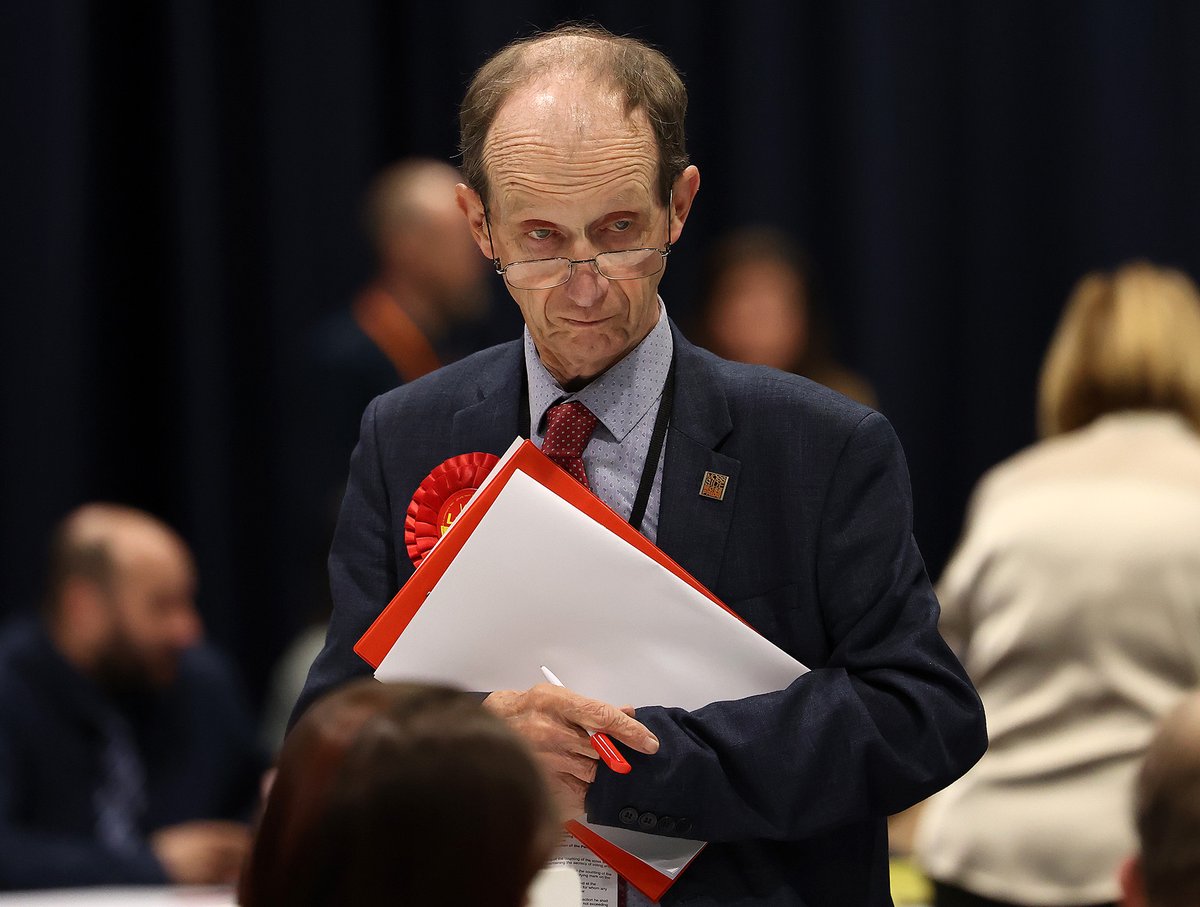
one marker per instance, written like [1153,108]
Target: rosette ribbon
[440,498]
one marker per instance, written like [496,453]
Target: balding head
[638,76]
[119,596]
[424,248]
[409,193]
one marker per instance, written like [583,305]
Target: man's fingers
[594,715]
[554,718]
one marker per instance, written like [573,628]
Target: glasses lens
[629,264]
[538,275]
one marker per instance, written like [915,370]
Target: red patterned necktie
[568,428]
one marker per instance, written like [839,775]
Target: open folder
[537,570]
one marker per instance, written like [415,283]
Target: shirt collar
[617,398]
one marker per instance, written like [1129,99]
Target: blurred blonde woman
[1074,602]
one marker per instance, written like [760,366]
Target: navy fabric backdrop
[183,180]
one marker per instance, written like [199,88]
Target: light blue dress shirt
[625,400]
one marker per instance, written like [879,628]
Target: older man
[577,186]
[127,752]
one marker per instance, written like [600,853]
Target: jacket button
[647,821]
[666,824]
[628,816]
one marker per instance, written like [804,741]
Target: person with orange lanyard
[422,307]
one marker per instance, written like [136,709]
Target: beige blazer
[1074,603]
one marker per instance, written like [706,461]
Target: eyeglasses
[547,273]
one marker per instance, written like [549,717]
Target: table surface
[126,897]
[554,887]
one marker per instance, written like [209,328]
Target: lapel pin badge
[713,486]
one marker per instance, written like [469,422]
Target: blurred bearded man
[127,751]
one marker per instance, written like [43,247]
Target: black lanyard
[657,438]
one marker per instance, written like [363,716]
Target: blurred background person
[426,304]
[416,313]
[1074,601]
[400,794]
[1165,872]
[760,303]
[127,752]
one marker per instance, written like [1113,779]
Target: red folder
[642,876]
[383,633]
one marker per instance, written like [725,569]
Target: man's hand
[555,722]
[202,853]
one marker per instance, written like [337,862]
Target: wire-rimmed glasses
[547,273]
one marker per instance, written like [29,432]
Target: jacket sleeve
[889,719]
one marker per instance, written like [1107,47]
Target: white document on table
[559,884]
[596,883]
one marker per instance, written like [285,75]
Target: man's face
[570,175]
[457,278]
[434,251]
[153,616]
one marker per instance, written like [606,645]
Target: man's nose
[586,286]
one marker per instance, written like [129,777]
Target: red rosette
[440,498]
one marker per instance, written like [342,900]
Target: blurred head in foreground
[1166,873]
[400,794]
[1129,339]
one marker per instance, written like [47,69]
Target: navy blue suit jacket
[812,545]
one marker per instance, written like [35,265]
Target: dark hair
[382,788]
[1167,809]
[643,76]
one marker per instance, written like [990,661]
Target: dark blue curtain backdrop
[181,197]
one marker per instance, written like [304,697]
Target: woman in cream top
[1074,602]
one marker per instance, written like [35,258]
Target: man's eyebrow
[622,214]
[608,216]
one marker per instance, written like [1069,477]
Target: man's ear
[80,600]
[82,619]
[683,193]
[471,206]
[1133,883]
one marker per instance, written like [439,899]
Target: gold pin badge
[713,486]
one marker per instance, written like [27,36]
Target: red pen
[600,742]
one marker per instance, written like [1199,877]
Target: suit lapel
[491,422]
[693,529]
